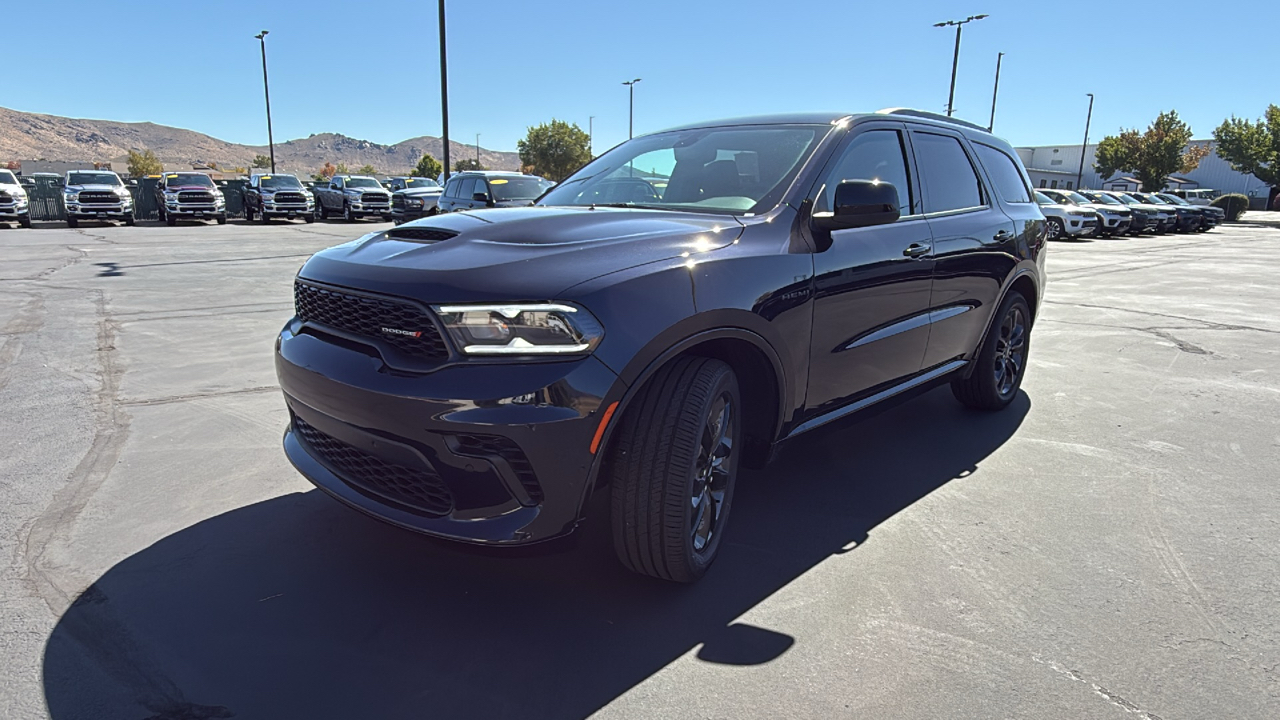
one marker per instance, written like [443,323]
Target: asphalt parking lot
[1104,549]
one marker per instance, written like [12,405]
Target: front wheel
[346,213]
[1001,361]
[672,468]
[265,219]
[321,212]
[72,222]
[25,221]
[222,218]
[1057,230]
[129,220]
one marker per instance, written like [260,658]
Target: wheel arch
[1025,283]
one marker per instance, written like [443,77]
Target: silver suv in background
[14,204]
[1066,220]
[96,195]
[1113,219]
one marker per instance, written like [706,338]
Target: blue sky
[519,63]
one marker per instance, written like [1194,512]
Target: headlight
[521,329]
[415,202]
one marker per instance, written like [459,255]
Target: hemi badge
[407,333]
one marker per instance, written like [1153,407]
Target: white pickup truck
[14,204]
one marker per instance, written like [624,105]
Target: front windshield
[417,182]
[1076,198]
[92,178]
[362,182]
[1104,199]
[720,170]
[1173,199]
[516,188]
[186,179]
[1044,199]
[1128,199]
[7,178]
[279,182]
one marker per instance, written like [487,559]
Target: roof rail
[931,116]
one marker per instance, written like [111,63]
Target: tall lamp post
[991,126]
[271,143]
[631,113]
[444,93]
[1085,145]
[955,61]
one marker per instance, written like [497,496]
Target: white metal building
[1057,166]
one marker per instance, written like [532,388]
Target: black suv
[477,189]
[477,376]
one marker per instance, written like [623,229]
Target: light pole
[271,143]
[591,135]
[1085,146]
[631,113]
[992,125]
[477,151]
[444,93]
[955,61]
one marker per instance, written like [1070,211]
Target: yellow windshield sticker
[265,177]
[171,176]
[497,182]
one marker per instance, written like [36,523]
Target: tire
[388,218]
[24,221]
[1056,229]
[672,468]
[346,213]
[264,218]
[309,217]
[248,213]
[222,219]
[129,220]
[72,222]
[321,212]
[1001,364]
[170,220]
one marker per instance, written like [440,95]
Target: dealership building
[1058,166]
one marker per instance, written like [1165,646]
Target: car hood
[1117,209]
[528,253]
[420,191]
[177,188]
[106,188]
[1147,207]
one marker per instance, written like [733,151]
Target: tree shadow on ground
[297,607]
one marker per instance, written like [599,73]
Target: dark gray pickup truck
[352,197]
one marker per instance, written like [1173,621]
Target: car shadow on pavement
[297,607]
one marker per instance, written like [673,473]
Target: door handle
[1001,236]
[917,249]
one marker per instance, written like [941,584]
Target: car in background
[14,204]
[1211,217]
[277,195]
[353,197]
[413,198]
[1140,219]
[1186,217]
[1161,219]
[476,189]
[96,195]
[189,196]
[1198,196]
[1113,219]
[1065,219]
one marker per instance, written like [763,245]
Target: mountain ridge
[37,136]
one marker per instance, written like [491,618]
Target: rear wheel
[673,465]
[1001,361]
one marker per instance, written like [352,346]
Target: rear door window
[949,179]
[1004,173]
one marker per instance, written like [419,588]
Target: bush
[1234,205]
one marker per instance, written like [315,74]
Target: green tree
[467,164]
[261,161]
[142,164]
[1151,156]
[428,167]
[341,169]
[366,169]
[1251,147]
[555,149]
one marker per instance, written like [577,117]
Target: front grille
[373,199]
[5,197]
[290,198]
[98,197]
[397,201]
[417,489]
[420,234]
[371,317]
[484,446]
[197,197]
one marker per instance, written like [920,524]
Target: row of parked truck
[1104,213]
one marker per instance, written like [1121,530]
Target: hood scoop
[420,234]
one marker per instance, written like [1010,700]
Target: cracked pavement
[1105,549]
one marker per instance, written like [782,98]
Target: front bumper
[14,211]
[195,211]
[406,214]
[370,209]
[118,211]
[1081,225]
[1115,224]
[508,445]
[292,210]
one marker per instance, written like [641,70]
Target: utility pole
[955,60]
[992,125]
[266,89]
[444,92]
[1085,146]
[631,113]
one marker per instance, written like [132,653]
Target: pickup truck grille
[397,202]
[196,198]
[373,199]
[98,197]
[290,198]
[5,197]
[416,488]
[371,317]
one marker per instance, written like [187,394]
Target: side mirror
[860,203]
[480,197]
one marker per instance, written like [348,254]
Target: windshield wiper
[630,205]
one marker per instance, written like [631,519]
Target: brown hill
[31,136]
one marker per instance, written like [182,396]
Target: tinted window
[187,179]
[874,155]
[948,177]
[1004,174]
[466,188]
[516,188]
[451,187]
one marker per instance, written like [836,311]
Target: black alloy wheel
[1001,361]
[1011,350]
